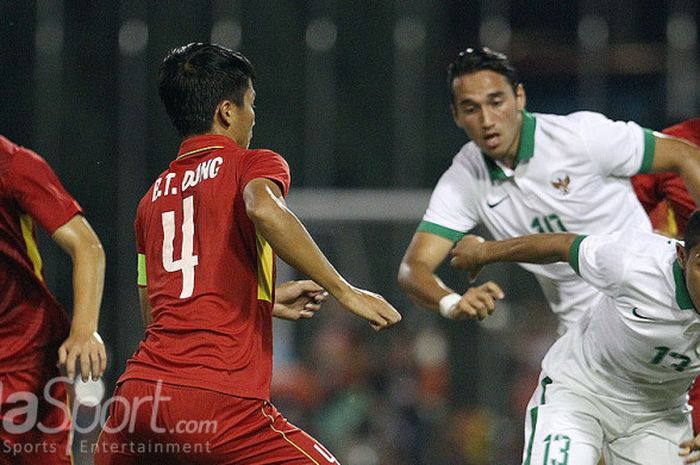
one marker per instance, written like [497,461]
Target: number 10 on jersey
[187,260]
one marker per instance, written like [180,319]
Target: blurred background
[353,95]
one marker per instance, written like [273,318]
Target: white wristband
[448,304]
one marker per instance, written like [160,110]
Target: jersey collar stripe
[682,296]
[527,137]
[526,148]
[649,147]
[203,149]
[495,171]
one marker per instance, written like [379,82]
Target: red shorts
[155,423]
[34,428]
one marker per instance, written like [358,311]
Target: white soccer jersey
[639,344]
[572,175]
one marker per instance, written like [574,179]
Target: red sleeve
[671,185]
[645,186]
[652,189]
[265,164]
[138,224]
[141,278]
[674,191]
[38,191]
[688,130]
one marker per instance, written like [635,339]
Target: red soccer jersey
[210,277]
[32,323]
[664,195]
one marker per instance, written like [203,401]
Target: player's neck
[511,158]
[217,130]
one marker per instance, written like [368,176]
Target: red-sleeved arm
[645,186]
[671,185]
[652,189]
[141,278]
[38,191]
[673,189]
[138,227]
[265,164]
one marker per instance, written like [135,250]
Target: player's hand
[296,300]
[465,255]
[370,306]
[89,348]
[690,450]
[477,303]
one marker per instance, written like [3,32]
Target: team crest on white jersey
[562,182]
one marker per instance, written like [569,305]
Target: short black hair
[691,237]
[195,78]
[472,60]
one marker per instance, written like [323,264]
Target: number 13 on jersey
[187,260]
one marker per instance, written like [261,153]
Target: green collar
[525,150]
[682,296]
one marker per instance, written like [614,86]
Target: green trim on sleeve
[447,233]
[649,147]
[573,253]
[141,280]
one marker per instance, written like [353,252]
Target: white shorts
[567,427]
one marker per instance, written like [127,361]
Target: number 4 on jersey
[187,260]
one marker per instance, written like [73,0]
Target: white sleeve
[452,203]
[600,261]
[618,148]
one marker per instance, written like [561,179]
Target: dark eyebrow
[491,96]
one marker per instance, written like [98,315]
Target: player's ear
[681,255]
[520,96]
[224,113]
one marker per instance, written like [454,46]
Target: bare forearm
[290,240]
[681,157]
[293,244]
[691,177]
[423,286]
[417,275]
[689,169]
[538,248]
[78,240]
[88,284]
